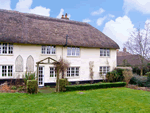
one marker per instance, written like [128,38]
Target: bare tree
[60,66]
[91,65]
[139,44]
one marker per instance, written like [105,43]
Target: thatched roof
[16,27]
[129,59]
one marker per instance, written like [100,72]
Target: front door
[41,76]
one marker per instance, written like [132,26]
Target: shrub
[120,74]
[32,86]
[112,76]
[94,86]
[28,76]
[127,75]
[138,80]
[14,87]
[62,84]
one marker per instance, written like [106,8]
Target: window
[6,71]
[6,48]
[48,50]
[72,71]
[104,69]
[104,52]
[73,51]
[52,72]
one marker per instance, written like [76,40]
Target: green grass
[111,100]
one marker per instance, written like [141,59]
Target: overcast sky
[115,18]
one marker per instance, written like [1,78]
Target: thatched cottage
[28,38]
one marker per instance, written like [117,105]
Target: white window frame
[9,47]
[44,50]
[70,51]
[54,72]
[104,52]
[102,68]
[75,70]
[6,71]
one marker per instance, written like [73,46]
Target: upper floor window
[73,51]
[6,70]
[6,48]
[104,52]
[104,69]
[48,50]
[72,71]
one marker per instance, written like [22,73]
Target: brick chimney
[124,49]
[62,17]
[65,17]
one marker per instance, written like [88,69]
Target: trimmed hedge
[62,84]
[32,86]
[94,86]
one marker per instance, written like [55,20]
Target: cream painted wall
[82,61]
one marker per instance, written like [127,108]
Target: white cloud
[25,6]
[119,30]
[110,15]
[100,21]
[40,10]
[62,13]
[86,20]
[139,5]
[5,4]
[98,12]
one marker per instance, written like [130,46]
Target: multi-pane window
[104,52]
[72,71]
[6,48]
[6,71]
[48,50]
[104,69]
[52,72]
[73,51]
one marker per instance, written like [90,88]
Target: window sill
[6,77]
[48,54]
[75,77]
[74,56]
[104,56]
[6,54]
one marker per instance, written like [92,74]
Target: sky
[115,18]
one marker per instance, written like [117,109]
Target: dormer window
[104,52]
[6,48]
[73,51]
[48,50]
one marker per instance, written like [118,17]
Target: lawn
[111,100]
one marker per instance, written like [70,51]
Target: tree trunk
[141,72]
[57,81]
[62,73]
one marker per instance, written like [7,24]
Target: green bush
[62,84]
[32,86]
[28,76]
[14,87]
[94,86]
[139,80]
[120,74]
[112,76]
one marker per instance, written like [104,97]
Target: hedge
[32,86]
[94,86]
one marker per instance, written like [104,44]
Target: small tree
[91,65]
[139,43]
[60,67]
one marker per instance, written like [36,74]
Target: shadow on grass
[46,90]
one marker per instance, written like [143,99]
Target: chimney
[65,17]
[62,17]
[124,49]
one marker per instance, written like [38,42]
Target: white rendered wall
[82,61]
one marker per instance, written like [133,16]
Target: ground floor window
[72,71]
[52,72]
[6,70]
[104,69]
